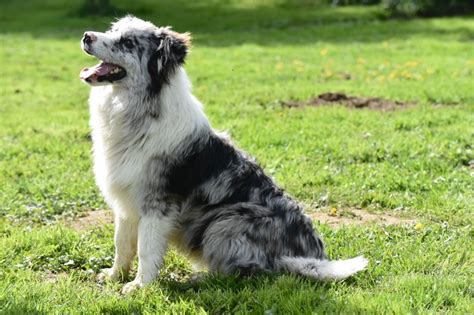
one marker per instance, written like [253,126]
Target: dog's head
[134,53]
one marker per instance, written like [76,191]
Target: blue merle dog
[170,178]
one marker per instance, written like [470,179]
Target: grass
[247,56]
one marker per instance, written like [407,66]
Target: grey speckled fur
[169,176]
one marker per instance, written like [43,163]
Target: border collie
[170,178]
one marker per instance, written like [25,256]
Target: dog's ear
[170,53]
[175,46]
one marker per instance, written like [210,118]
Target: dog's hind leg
[153,233]
[125,248]
[236,256]
[229,250]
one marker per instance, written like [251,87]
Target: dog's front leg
[125,248]
[153,232]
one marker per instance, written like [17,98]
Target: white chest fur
[125,138]
[119,159]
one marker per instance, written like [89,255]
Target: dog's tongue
[99,70]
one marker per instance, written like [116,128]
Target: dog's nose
[89,38]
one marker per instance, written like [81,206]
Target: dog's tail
[322,269]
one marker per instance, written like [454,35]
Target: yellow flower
[406,74]
[324,52]
[279,66]
[385,44]
[333,211]
[327,73]
[361,61]
[412,64]
[419,226]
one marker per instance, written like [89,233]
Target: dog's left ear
[176,45]
[171,51]
[173,47]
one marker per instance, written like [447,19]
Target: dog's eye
[128,43]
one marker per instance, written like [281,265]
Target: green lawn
[247,57]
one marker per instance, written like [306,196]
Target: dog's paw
[198,277]
[132,286]
[108,274]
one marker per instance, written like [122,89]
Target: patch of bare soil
[353,216]
[374,103]
[91,219]
[50,277]
[333,217]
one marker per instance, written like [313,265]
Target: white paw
[132,286]
[108,274]
[198,277]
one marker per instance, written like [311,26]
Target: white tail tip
[341,269]
[324,269]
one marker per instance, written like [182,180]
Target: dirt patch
[91,219]
[333,217]
[354,216]
[50,277]
[330,98]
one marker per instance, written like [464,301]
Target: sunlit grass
[247,57]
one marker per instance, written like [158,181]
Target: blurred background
[249,57]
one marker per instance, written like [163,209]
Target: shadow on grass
[223,23]
[257,294]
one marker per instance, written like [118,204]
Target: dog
[170,178]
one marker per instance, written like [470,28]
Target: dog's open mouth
[103,72]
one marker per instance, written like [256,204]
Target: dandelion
[412,64]
[419,226]
[328,73]
[324,52]
[333,211]
[406,74]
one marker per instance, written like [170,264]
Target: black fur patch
[171,52]
[127,43]
[206,161]
[252,199]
